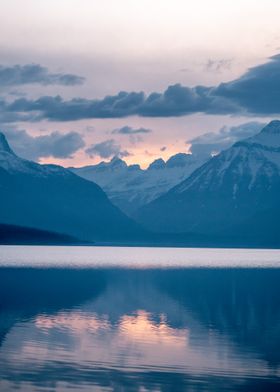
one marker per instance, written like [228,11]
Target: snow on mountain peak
[248,160]
[268,137]
[12,163]
[130,186]
[179,160]
[273,127]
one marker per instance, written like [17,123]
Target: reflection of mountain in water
[241,304]
[25,292]
[173,313]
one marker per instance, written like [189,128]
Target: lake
[139,319]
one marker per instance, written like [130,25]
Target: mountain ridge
[50,197]
[224,192]
[129,187]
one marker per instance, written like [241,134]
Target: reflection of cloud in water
[140,328]
[75,322]
[135,343]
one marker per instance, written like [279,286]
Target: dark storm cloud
[106,149]
[257,92]
[55,144]
[126,130]
[56,109]
[177,100]
[35,74]
[214,142]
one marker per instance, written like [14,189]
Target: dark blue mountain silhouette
[15,235]
[49,197]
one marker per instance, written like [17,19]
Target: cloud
[135,139]
[175,101]
[134,134]
[106,149]
[56,109]
[257,92]
[17,75]
[214,142]
[56,144]
[218,65]
[126,130]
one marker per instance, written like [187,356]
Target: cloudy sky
[84,80]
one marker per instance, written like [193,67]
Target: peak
[272,128]
[116,161]
[4,145]
[157,164]
[134,167]
[268,137]
[178,160]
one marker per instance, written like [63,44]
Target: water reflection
[139,330]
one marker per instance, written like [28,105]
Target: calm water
[139,319]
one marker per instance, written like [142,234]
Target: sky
[84,80]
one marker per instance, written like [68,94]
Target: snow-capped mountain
[239,186]
[13,164]
[130,187]
[50,197]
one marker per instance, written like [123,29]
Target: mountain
[130,187]
[234,194]
[50,197]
